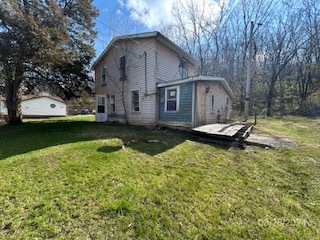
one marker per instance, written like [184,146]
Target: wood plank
[229,130]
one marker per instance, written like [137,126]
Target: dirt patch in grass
[270,141]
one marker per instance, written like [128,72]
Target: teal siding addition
[184,113]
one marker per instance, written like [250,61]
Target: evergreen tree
[44,40]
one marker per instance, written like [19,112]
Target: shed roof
[200,78]
[29,97]
[157,35]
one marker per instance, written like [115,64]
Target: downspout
[157,103]
[145,74]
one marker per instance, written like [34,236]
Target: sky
[148,13]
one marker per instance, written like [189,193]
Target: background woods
[286,49]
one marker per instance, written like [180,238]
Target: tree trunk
[13,101]
[124,103]
[270,99]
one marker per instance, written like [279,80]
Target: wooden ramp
[237,131]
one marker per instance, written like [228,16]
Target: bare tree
[122,54]
[308,57]
[286,47]
[192,28]
[281,41]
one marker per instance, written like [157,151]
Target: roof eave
[154,34]
[115,39]
[200,78]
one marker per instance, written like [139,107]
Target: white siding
[219,103]
[135,70]
[3,108]
[41,106]
[168,64]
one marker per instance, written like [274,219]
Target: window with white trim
[104,75]
[172,99]
[227,100]
[135,101]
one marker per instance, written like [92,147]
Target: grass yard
[70,178]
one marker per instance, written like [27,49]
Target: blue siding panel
[185,107]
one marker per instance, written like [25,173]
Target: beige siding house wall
[167,64]
[140,72]
[218,103]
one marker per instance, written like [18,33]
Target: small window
[183,67]
[113,103]
[104,75]
[101,102]
[172,99]
[212,103]
[227,100]
[123,68]
[135,101]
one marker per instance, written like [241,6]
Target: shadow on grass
[109,149]
[36,135]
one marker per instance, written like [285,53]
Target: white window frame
[132,103]
[177,88]
[104,79]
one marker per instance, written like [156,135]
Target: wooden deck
[237,131]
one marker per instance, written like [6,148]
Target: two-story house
[146,79]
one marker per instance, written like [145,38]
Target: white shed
[38,106]
[43,106]
[3,106]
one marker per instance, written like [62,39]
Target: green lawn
[70,178]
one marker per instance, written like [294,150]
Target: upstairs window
[227,100]
[172,99]
[104,75]
[123,68]
[135,101]
[183,67]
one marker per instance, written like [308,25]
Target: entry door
[101,108]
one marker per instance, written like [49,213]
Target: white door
[101,108]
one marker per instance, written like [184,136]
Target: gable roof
[200,78]
[29,97]
[157,35]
